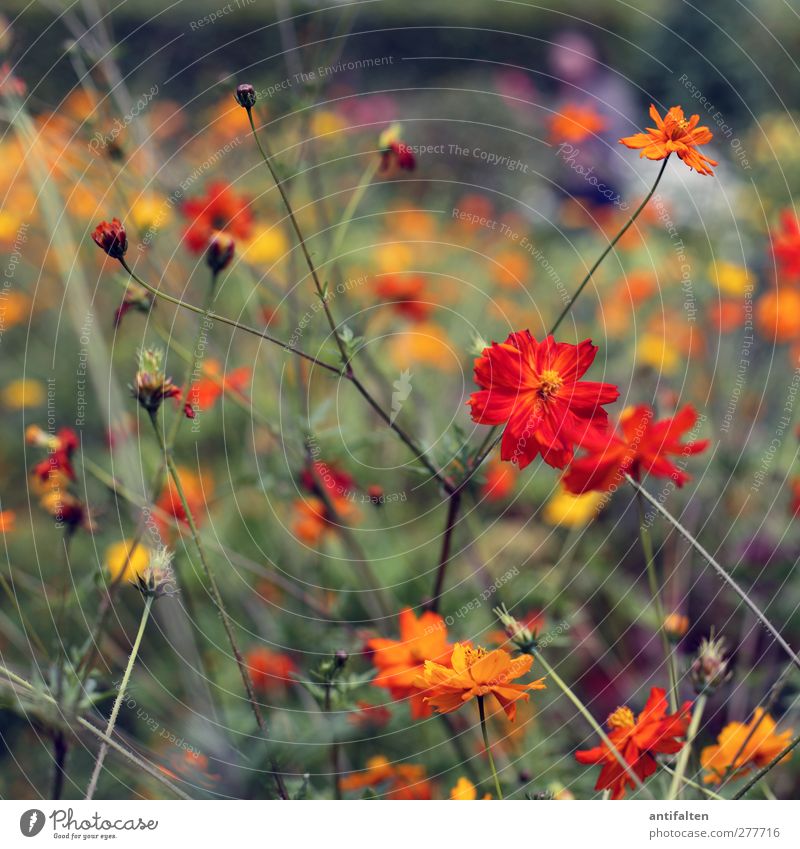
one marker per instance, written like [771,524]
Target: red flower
[638,741]
[786,244]
[534,388]
[269,670]
[394,151]
[640,445]
[111,238]
[322,475]
[406,294]
[60,447]
[219,209]
[203,393]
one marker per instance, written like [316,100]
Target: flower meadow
[373,432]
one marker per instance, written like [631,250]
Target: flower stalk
[683,758]
[112,720]
[484,731]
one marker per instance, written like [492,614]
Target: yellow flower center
[472,654]
[550,382]
[621,718]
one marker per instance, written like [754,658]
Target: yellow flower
[425,344]
[15,307]
[325,122]
[9,225]
[122,559]
[268,246]
[652,350]
[150,211]
[572,511]
[393,257]
[731,279]
[758,747]
[20,394]
[465,791]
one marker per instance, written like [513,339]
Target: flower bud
[520,635]
[710,666]
[152,386]
[245,95]
[111,238]
[157,579]
[675,626]
[220,251]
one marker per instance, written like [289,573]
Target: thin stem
[764,770]
[493,439]
[60,749]
[337,773]
[109,741]
[488,747]
[454,502]
[464,758]
[683,758]
[766,704]
[655,592]
[285,198]
[352,205]
[112,720]
[609,248]
[693,784]
[229,321]
[348,375]
[217,597]
[717,568]
[584,712]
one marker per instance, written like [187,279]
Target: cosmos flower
[674,134]
[640,445]
[575,123]
[638,740]
[729,756]
[269,670]
[476,672]
[406,294]
[466,791]
[401,662]
[398,781]
[111,238]
[535,389]
[220,209]
[394,152]
[786,244]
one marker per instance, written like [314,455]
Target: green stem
[764,770]
[217,597]
[352,205]
[717,568]
[683,758]
[693,784]
[112,720]
[485,733]
[655,592]
[303,246]
[109,741]
[480,456]
[584,712]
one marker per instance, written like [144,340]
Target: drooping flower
[724,758]
[575,123]
[60,447]
[674,134]
[111,238]
[151,386]
[639,445]
[400,662]
[475,672]
[535,389]
[398,781]
[220,209]
[638,740]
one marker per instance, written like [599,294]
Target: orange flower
[638,740]
[778,315]
[476,673]
[313,519]
[8,521]
[575,123]
[197,489]
[466,791]
[205,391]
[403,781]
[673,134]
[400,662]
[500,481]
[270,670]
[764,745]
